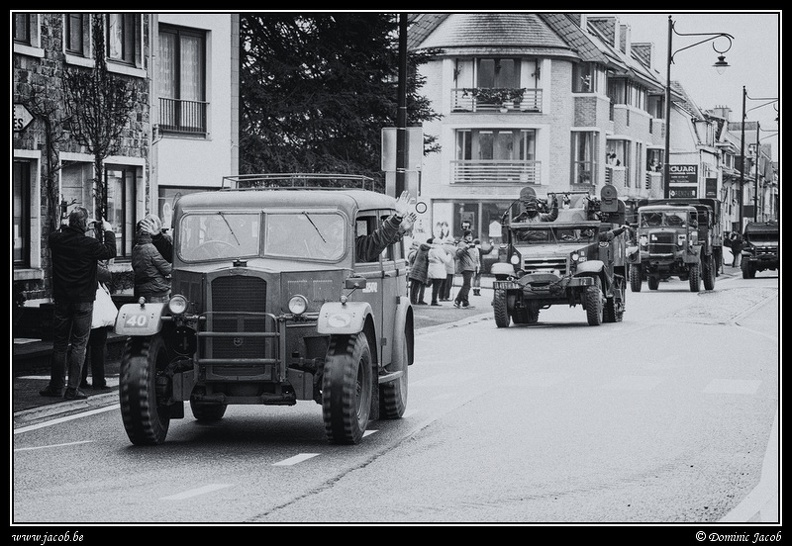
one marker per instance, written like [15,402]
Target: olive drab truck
[576,259]
[677,238]
[271,306]
[760,248]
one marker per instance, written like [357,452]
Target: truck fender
[343,318]
[502,269]
[588,267]
[135,319]
[403,326]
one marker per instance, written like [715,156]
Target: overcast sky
[754,59]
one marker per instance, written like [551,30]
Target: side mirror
[354,283]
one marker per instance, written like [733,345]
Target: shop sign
[22,117]
[682,174]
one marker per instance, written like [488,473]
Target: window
[21,235]
[182,80]
[508,144]
[584,154]
[75,34]
[499,73]
[584,78]
[122,37]
[22,28]
[121,199]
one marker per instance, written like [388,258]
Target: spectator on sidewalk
[152,270]
[438,258]
[96,350]
[419,271]
[477,275]
[74,269]
[468,257]
[450,247]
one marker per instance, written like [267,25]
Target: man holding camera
[74,259]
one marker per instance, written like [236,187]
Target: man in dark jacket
[74,284]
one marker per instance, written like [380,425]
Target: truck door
[365,223]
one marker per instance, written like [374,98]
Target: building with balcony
[560,102]
[182,134]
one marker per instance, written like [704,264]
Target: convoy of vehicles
[269,305]
[760,248]
[677,238]
[576,259]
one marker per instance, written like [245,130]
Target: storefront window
[21,236]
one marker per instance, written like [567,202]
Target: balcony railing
[182,116]
[495,171]
[464,100]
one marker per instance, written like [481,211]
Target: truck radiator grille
[662,243]
[238,305]
[545,265]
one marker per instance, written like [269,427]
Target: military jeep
[576,259]
[678,238]
[760,248]
[270,306]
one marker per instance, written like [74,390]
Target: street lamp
[742,155]
[720,65]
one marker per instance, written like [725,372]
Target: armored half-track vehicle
[576,257]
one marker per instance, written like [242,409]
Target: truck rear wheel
[694,277]
[347,389]
[635,278]
[393,395]
[709,273]
[594,303]
[653,282]
[146,418]
[501,307]
[748,272]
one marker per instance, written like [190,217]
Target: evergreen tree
[317,89]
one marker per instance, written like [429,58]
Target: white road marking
[732,386]
[54,445]
[195,492]
[366,433]
[65,419]
[296,459]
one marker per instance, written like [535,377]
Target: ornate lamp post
[720,66]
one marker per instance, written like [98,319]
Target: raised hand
[403,204]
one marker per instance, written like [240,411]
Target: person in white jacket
[438,258]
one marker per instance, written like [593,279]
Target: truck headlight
[298,305]
[643,241]
[177,305]
[515,259]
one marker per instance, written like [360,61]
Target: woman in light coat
[438,258]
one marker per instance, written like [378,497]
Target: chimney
[625,39]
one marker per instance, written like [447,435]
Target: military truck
[578,258]
[677,238]
[270,305]
[760,248]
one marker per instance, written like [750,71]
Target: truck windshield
[554,235]
[669,219]
[314,235]
[217,235]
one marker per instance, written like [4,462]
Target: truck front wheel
[709,273]
[594,303]
[146,418]
[635,278]
[347,388]
[694,277]
[501,307]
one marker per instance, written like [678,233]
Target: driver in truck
[368,247]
